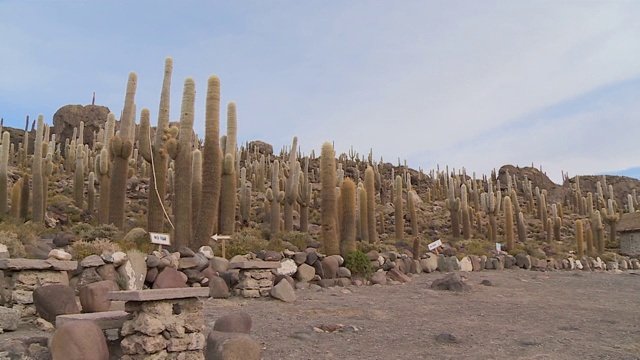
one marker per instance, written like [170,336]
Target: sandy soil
[524,315]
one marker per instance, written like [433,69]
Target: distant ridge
[633,172]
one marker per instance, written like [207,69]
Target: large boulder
[69,117]
[231,346]
[238,322]
[53,300]
[79,340]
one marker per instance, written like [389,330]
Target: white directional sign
[434,245]
[217,237]
[160,239]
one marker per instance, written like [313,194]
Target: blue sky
[460,83]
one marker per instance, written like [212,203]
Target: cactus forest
[141,173]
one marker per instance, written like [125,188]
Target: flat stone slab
[106,319]
[35,264]
[251,265]
[158,294]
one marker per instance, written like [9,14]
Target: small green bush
[15,247]
[358,263]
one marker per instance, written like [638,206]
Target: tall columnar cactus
[369,186]
[611,217]
[557,222]
[522,229]
[453,204]
[37,212]
[196,185]
[24,197]
[156,153]
[305,197]
[489,205]
[292,184]
[78,183]
[211,166]
[245,197]
[630,207]
[91,192]
[4,180]
[16,202]
[413,215]
[508,223]
[121,150]
[348,220]
[398,212]
[466,219]
[362,213]
[579,238]
[329,204]
[598,231]
[103,167]
[275,198]
[229,179]
[180,151]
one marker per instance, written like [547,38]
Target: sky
[473,84]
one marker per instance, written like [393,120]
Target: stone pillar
[256,277]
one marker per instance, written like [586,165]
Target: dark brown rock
[53,300]
[231,346]
[69,117]
[218,288]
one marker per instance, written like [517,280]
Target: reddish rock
[170,278]
[239,322]
[79,340]
[93,297]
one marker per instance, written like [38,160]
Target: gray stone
[107,272]
[451,282]
[395,274]
[134,270]
[219,264]
[231,346]
[305,273]
[287,267]
[379,278]
[158,294]
[429,263]
[92,261]
[152,261]
[523,261]
[238,322]
[343,272]
[443,264]
[218,288]
[283,291]
[465,264]
[93,297]
[185,252]
[300,257]
[330,267]
[170,278]
[9,319]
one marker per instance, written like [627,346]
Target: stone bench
[106,320]
[23,276]
[164,323]
[255,278]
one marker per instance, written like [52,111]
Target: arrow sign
[217,237]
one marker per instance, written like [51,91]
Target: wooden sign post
[217,237]
[160,239]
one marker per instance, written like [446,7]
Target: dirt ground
[524,315]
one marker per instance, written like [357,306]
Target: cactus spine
[211,166]
[329,203]
[121,149]
[348,221]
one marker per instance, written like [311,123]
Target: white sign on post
[434,245]
[498,247]
[217,237]
[160,239]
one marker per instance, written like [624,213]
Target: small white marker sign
[217,237]
[498,247]
[434,245]
[160,239]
